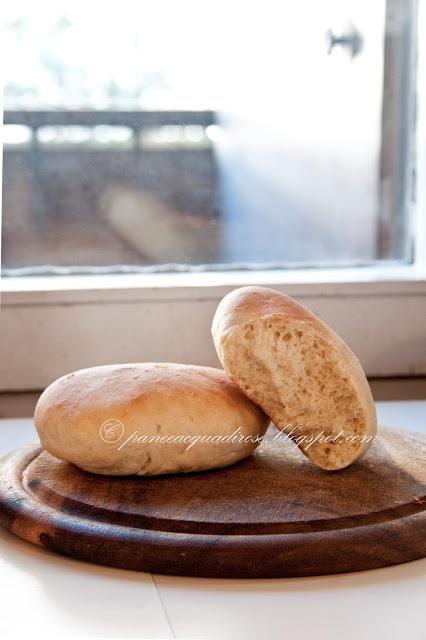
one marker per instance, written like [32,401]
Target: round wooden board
[272,515]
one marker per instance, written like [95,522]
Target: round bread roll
[299,372]
[148,419]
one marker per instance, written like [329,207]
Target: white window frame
[52,325]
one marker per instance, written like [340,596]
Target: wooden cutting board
[272,515]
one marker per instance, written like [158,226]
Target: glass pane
[161,136]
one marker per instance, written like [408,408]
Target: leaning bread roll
[299,372]
[148,419]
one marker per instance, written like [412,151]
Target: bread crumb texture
[299,372]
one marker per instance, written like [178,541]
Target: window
[157,154]
[146,138]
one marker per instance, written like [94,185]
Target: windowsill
[63,323]
[45,289]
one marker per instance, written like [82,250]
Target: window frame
[52,325]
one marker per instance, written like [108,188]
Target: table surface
[42,594]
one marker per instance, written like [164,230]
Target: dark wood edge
[232,556]
[172,525]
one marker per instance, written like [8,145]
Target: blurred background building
[165,135]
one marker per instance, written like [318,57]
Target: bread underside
[305,384]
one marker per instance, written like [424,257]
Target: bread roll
[147,419]
[299,372]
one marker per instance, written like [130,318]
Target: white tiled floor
[375,604]
[61,597]
[44,595]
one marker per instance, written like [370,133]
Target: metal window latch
[352,41]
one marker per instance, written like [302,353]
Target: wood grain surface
[271,515]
